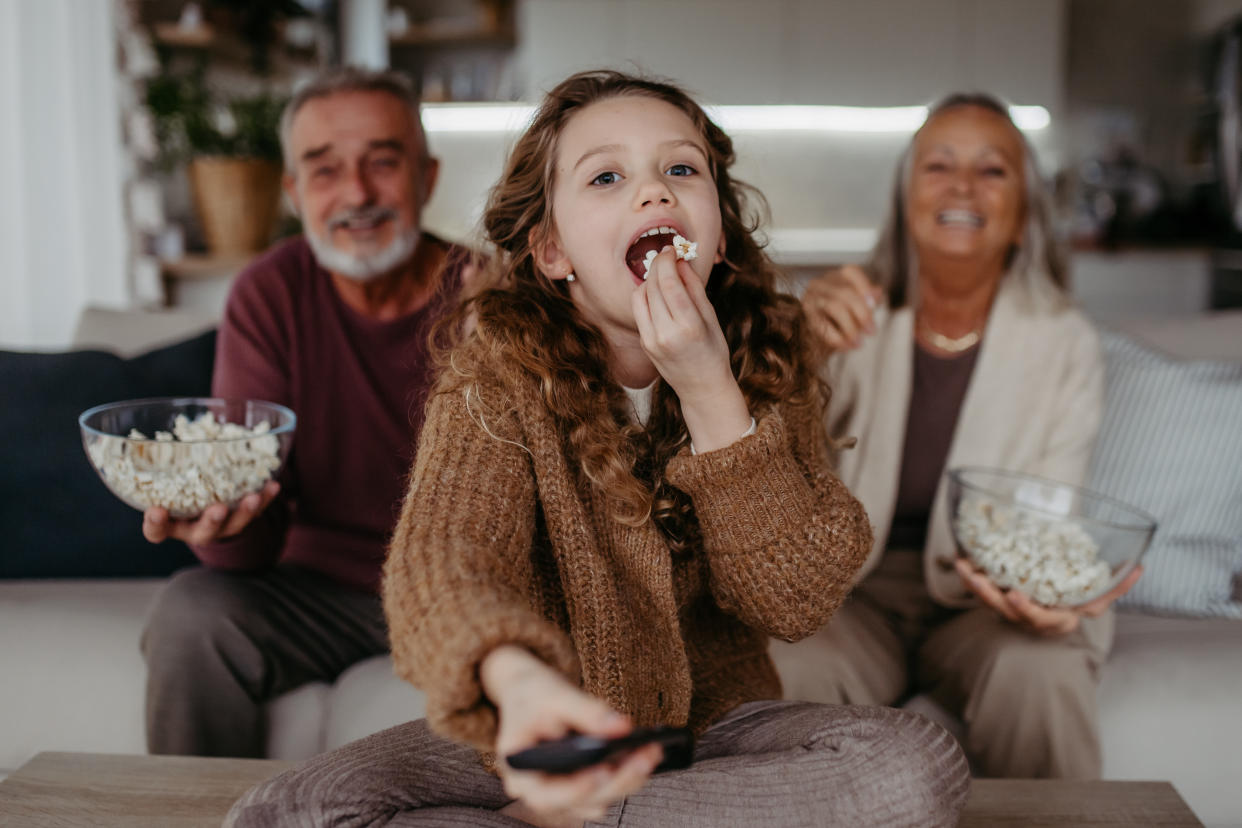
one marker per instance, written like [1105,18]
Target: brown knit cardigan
[500,542]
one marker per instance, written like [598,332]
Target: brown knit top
[501,542]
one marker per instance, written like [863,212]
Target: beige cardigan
[1033,404]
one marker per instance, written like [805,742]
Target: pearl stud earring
[569,277]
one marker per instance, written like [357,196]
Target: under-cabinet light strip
[490,117]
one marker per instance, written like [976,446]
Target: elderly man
[332,324]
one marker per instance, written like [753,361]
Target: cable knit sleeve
[782,535]
[459,579]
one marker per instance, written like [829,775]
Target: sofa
[75,584]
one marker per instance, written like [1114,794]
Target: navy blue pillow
[57,520]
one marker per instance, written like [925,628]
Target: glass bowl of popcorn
[1061,545]
[186,453]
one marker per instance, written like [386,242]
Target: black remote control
[577,751]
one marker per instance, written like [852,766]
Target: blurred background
[140,163]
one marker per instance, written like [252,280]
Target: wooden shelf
[205,265]
[170,34]
[200,274]
[448,38]
[458,56]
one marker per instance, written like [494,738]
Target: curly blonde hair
[525,325]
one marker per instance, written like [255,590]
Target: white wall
[61,213]
[876,53]
[61,209]
[827,190]
[13,290]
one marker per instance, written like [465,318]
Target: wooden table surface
[96,790]
[1014,803]
[85,790]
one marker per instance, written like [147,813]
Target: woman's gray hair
[351,79]
[1038,262]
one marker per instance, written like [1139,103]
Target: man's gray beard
[364,268]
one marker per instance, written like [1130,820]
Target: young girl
[620,494]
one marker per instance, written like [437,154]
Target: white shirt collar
[640,402]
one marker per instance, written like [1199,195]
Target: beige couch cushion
[1170,707]
[130,332]
[1214,335]
[73,674]
[74,678]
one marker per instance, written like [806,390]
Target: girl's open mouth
[653,241]
[645,247]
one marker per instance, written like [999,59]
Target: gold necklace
[949,344]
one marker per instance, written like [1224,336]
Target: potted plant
[231,148]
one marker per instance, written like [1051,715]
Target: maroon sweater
[357,386]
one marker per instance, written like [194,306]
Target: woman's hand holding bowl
[1018,608]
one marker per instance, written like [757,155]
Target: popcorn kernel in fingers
[683,248]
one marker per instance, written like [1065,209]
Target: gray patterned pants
[786,764]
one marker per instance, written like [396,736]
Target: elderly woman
[958,345]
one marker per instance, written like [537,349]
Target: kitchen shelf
[205,265]
[213,272]
[170,34]
[501,39]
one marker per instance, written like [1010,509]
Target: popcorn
[685,248]
[651,254]
[682,247]
[201,462]
[1053,561]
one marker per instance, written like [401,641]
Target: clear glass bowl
[198,460]
[1061,545]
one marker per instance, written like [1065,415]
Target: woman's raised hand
[1020,609]
[840,306]
[536,703]
[681,334]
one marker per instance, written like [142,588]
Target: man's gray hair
[1038,263]
[350,79]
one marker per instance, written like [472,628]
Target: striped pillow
[1171,444]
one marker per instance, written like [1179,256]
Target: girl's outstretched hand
[536,703]
[681,334]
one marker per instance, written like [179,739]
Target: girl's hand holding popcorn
[681,334]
